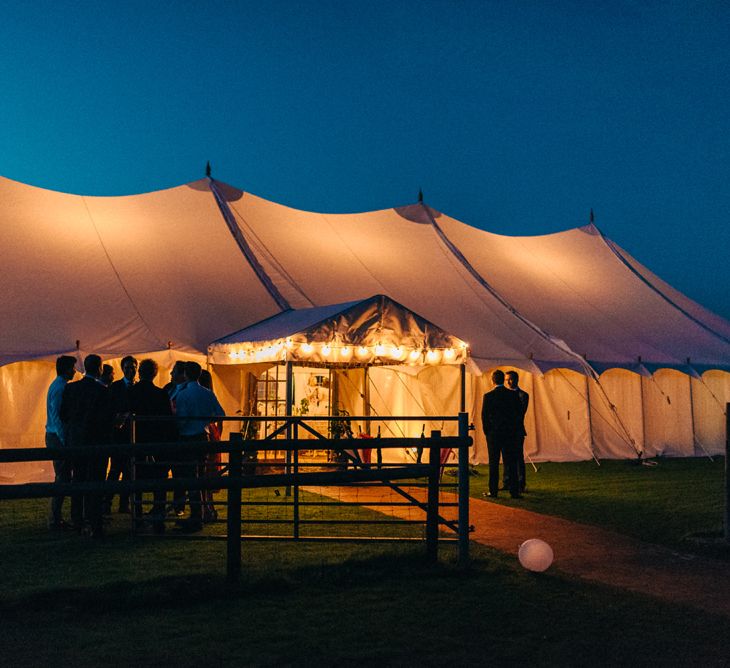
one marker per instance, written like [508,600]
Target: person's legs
[196,495]
[191,468]
[62,473]
[95,500]
[159,497]
[510,456]
[79,473]
[521,464]
[118,469]
[179,469]
[494,452]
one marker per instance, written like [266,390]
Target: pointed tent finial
[420,196]
[207,168]
[593,218]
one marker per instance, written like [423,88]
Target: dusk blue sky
[516,117]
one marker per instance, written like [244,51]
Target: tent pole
[366,399]
[462,387]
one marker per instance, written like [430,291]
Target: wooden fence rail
[235,480]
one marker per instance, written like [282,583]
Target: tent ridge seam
[485,284]
[116,273]
[243,245]
[271,257]
[611,246]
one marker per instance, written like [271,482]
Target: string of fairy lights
[344,353]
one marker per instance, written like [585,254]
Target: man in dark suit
[119,465]
[501,416]
[512,380]
[86,412]
[145,398]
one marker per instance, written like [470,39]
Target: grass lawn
[662,504]
[66,600]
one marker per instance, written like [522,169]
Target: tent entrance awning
[372,331]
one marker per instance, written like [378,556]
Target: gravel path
[580,550]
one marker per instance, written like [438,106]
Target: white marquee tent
[617,362]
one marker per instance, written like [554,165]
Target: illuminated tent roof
[374,330]
[183,267]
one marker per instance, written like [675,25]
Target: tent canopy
[166,273]
[182,267]
[376,330]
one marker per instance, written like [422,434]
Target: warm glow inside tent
[333,352]
[616,361]
[371,331]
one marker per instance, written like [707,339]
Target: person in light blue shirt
[55,434]
[200,405]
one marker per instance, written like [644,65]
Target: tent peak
[207,169]
[420,196]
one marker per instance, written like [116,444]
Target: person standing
[86,412]
[145,398]
[55,434]
[500,421]
[107,374]
[119,465]
[173,388]
[512,380]
[213,460]
[177,381]
[194,401]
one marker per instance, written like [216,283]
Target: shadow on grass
[175,591]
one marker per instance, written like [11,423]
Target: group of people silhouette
[96,410]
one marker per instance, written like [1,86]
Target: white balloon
[535,555]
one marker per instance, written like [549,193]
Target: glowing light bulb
[397,352]
[306,348]
[363,352]
[432,356]
[326,350]
[380,350]
[345,352]
[414,355]
[449,354]
[289,344]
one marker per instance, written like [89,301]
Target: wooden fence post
[432,507]
[233,539]
[463,469]
[295,507]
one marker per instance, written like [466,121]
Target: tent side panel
[561,421]
[24,386]
[710,393]
[668,418]
[612,429]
